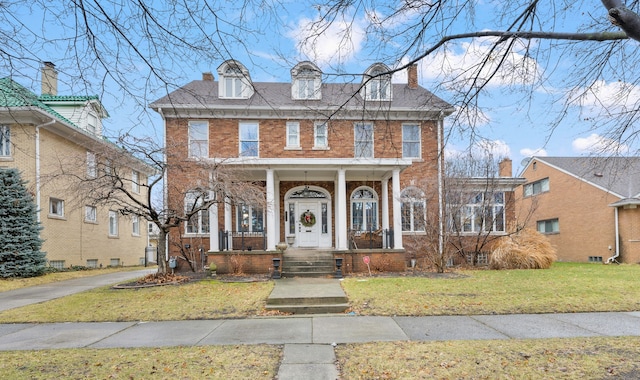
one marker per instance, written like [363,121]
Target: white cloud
[481,150]
[597,144]
[458,65]
[607,99]
[529,152]
[328,44]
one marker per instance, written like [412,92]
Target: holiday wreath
[307,219]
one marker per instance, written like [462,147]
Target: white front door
[309,222]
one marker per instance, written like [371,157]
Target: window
[248,139]
[90,214]
[135,225]
[5,141]
[115,262]
[293,134]
[249,219]
[306,79]
[233,84]
[57,264]
[91,165]
[92,263]
[320,136]
[595,259]
[536,187]
[56,207]
[550,226]
[477,212]
[113,223]
[364,210]
[377,83]
[363,140]
[235,81]
[92,123]
[410,141]
[413,210]
[198,223]
[198,139]
[135,184]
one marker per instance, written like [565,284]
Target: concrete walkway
[308,340]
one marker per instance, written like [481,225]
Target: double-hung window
[293,134]
[90,214]
[249,139]
[91,165]
[135,184]
[198,139]
[410,141]
[113,223]
[413,210]
[198,223]
[135,225]
[363,140]
[249,219]
[320,135]
[56,207]
[5,141]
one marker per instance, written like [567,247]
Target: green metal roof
[13,94]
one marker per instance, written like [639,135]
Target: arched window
[198,223]
[364,209]
[377,84]
[414,210]
[306,79]
[235,82]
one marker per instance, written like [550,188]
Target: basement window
[595,259]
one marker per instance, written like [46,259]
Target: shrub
[527,249]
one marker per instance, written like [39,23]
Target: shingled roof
[617,175]
[277,95]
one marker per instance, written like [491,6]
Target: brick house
[586,206]
[43,135]
[346,167]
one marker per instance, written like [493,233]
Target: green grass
[566,287]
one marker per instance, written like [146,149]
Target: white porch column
[271,215]
[397,206]
[214,235]
[228,223]
[341,231]
[385,203]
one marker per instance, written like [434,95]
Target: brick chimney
[49,79]
[505,168]
[412,76]
[207,76]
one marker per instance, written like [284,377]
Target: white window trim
[355,140]
[92,167]
[135,221]
[91,214]
[189,198]
[257,125]
[412,201]
[200,141]
[113,222]
[419,156]
[250,216]
[375,199]
[5,141]
[60,203]
[461,215]
[295,146]
[135,181]
[315,136]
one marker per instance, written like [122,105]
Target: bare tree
[112,185]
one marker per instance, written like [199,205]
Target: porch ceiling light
[305,191]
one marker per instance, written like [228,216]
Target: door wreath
[307,219]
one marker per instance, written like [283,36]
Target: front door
[308,221]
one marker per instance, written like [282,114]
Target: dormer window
[235,82]
[377,83]
[306,81]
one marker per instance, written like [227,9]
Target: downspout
[38,203]
[615,256]
[164,184]
[440,189]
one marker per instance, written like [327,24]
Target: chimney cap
[49,64]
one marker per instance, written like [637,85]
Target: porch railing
[243,241]
[371,239]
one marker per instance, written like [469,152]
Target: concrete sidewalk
[308,340]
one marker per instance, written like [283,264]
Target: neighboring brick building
[337,160]
[586,206]
[45,135]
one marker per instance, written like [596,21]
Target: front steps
[307,296]
[307,263]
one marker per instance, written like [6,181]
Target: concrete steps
[307,296]
[308,263]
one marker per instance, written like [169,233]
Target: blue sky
[516,114]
